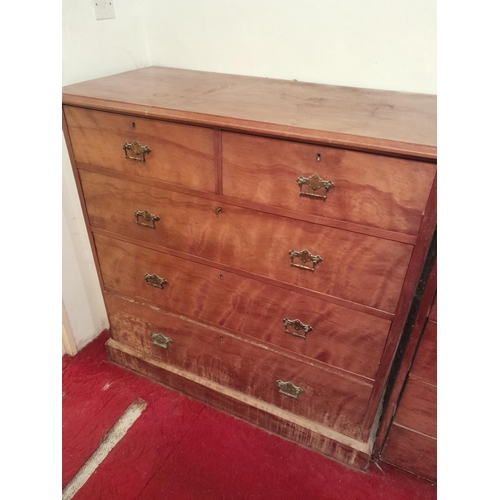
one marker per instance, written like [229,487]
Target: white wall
[384,44]
[91,49]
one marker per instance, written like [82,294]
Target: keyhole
[220,277]
[133,125]
[218,210]
[318,157]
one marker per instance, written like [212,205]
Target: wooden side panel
[424,366]
[180,154]
[348,339]
[418,408]
[433,313]
[411,451]
[369,189]
[329,399]
[354,267]
[300,432]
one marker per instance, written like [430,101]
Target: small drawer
[352,266]
[338,336]
[319,395]
[368,189]
[170,152]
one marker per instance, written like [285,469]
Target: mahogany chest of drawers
[258,242]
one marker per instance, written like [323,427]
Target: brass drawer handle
[155,280]
[288,389]
[315,182]
[160,340]
[148,217]
[297,325]
[135,151]
[304,256]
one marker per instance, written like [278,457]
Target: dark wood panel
[331,400]
[354,267]
[400,123]
[424,366]
[412,452]
[180,154]
[368,189]
[340,337]
[401,370]
[294,428]
[417,409]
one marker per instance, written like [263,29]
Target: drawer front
[348,339]
[355,267]
[179,154]
[324,397]
[368,189]
[417,409]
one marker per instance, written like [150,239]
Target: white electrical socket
[103,9]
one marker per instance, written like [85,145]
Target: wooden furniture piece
[258,242]
[411,440]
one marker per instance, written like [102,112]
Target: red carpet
[180,449]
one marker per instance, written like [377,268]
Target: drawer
[355,267]
[179,154]
[417,409]
[369,189]
[350,340]
[411,451]
[325,397]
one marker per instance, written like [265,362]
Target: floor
[181,449]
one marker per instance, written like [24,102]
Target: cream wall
[384,44]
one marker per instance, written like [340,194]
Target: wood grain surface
[417,408]
[411,451]
[347,339]
[419,256]
[180,154]
[424,367]
[433,313]
[401,371]
[285,424]
[334,401]
[394,122]
[355,267]
[373,190]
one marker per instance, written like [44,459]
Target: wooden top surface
[371,120]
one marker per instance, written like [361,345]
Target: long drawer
[179,154]
[353,266]
[340,337]
[319,395]
[374,190]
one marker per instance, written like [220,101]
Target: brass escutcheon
[288,389]
[148,217]
[160,340]
[135,151]
[315,182]
[297,325]
[304,256]
[155,280]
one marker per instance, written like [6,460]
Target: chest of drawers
[258,242]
